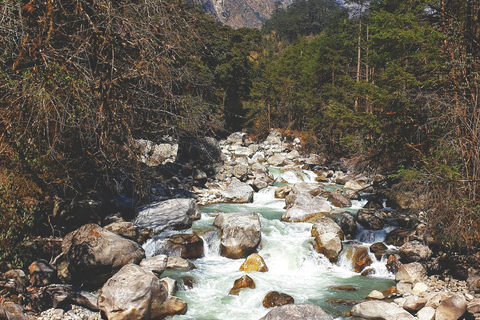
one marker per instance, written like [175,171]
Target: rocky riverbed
[119,269]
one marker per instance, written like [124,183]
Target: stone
[359,257]
[413,303]
[185,245]
[411,272]
[132,293]
[380,310]
[198,151]
[156,264]
[378,249]
[404,287]
[170,285]
[95,254]
[398,237]
[328,238]
[242,283]
[254,263]
[12,311]
[375,295]
[283,191]
[173,214]
[178,263]
[419,288]
[473,306]
[338,200]
[277,160]
[414,251]
[343,288]
[303,207]
[348,225]
[85,299]
[276,299]
[372,219]
[241,171]
[392,264]
[297,312]
[451,308]
[173,306]
[240,233]
[313,189]
[237,192]
[355,185]
[473,283]
[41,273]
[125,229]
[426,313]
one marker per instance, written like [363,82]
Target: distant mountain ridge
[241,13]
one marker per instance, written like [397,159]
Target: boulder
[399,236]
[95,254]
[242,283]
[380,310]
[404,288]
[185,245]
[178,263]
[359,256]
[276,299]
[277,160]
[355,185]
[328,238]
[411,272]
[12,311]
[426,313]
[156,264]
[338,200]
[132,293]
[240,233]
[170,285]
[237,192]
[173,214]
[375,295]
[297,312]
[307,187]
[451,308]
[125,229]
[378,249]
[200,152]
[304,207]
[41,273]
[349,226]
[413,303]
[414,251]
[173,306]
[283,191]
[254,263]
[372,219]
[241,171]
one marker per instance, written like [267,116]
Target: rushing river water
[294,266]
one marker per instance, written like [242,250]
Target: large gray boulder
[240,233]
[372,219]
[411,272]
[414,251]
[133,293]
[304,207]
[451,308]
[328,238]
[305,187]
[380,310]
[95,254]
[297,312]
[173,214]
[237,192]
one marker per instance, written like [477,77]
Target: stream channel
[295,268]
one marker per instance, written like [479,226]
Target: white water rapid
[294,267]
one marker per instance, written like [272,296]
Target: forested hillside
[394,83]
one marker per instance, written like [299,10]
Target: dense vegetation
[393,82]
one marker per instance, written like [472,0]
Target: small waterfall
[293,175]
[211,243]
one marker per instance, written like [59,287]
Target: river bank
[323,235]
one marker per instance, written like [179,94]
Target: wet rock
[173,306]
[343,288]
[399,236]
[132,293]
[156,264]
[173,214]
[95,254]
[276,299]
[392,263]
[178,263]
[188,282]
[313,189]
[378,249]
[372,219]
[237,192]
[304,207]
[349,226]
[170,285]
[411,272]
[125,229]
[451,308]
[297,312]
[328,238]
[185,245]
[240,233]
[359,257]
[242,283]
[283,191]
[414,251]
[380,310]
[254,263]
[338,200]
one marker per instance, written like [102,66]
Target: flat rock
[237,192]
[451,308]
[156,264]
[380,310]
[297,312]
